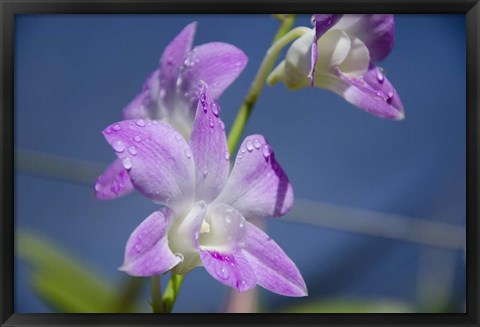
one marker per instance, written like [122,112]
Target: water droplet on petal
[227,155]
[249,146]
[380,76]
[163,93]
[140,122]
[257,143]
[132,150]
[137,138]
[215,109]
[205,172]
[178,137]
[127,163]
[180,80]
[222,125]
[389,96]
[203,98]
[242,149]
[116,127]
[180,256]
[211,122]
[266,151]
[98,187]
[221,270]
[118,146]
[188,153]
[138,248]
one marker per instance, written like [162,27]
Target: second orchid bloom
[339,54]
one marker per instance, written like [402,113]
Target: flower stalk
[283,37]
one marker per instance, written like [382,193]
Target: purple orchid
[204,221]
[339,54]
[170,94]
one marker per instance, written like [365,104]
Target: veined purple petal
[217,64]
[147,252]
[209,147]
[172,59]
[220,248]
[323,22]
[158,159]
[373,93]
[274,270]
[113,183]
[377,31]
[257,186]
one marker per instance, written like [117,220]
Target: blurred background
[379,219]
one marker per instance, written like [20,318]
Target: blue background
[75,73]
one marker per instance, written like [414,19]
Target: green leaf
[350,306]
[69,285]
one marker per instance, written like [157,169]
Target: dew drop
[380,76]
[215,109]
[211,123]
[226,155]
[132,150]
[140,122]
[221,270]
[205,108]
[242,149]
[116,127]
[137,138]
[222,125]
[205,172]
[178,137]
[118,146]
[257,143]
[203,98]
[266,151]
[180,256]
[188,153]
[98,186]
[389,96]
[249,146]
[163,93]
[127,163]
[138,248]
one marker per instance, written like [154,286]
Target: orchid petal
[113,183]
[147,252]
[158,159]
[274,270]
[217,64]
[183,238]
[209,148]
[257,186]
[220,248]
[322,23]
[373,93]
[376,31]
[146,104]
[172,59]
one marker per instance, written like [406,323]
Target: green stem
[258,83]
[157,303]
[170,295]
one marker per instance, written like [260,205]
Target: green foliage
[350,306]
[69,285]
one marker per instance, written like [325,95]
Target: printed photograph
[240,163]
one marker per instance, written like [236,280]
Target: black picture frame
[8,10]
